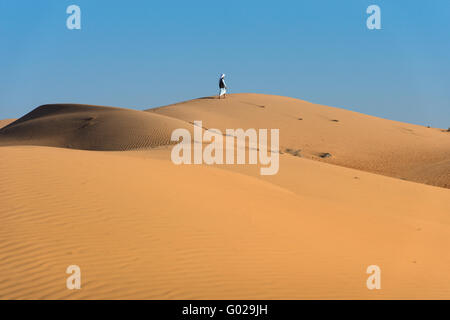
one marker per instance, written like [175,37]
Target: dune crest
[90,128]
[333,135]
[329,134]
[5,122]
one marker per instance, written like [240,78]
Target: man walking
[222,87]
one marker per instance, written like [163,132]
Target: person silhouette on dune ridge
[222,86]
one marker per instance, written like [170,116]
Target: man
[222,86]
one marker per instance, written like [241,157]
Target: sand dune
[90,127]
[353,139]
[141,227]
[5,122]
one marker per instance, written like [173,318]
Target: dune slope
[90,127]
[5,122]
[354,140]
[143,228]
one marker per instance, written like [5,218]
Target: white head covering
[222,76]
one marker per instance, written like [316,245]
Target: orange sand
[141,227]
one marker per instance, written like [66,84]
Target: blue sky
[141,54]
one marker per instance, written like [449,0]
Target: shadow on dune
[90,128]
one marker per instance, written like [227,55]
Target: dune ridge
[5,122]
[312,131]
[352,139]
[90,127]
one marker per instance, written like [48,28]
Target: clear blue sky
[142,54]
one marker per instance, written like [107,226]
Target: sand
[5,122]
[354,140]
[141,227]
[90,128]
